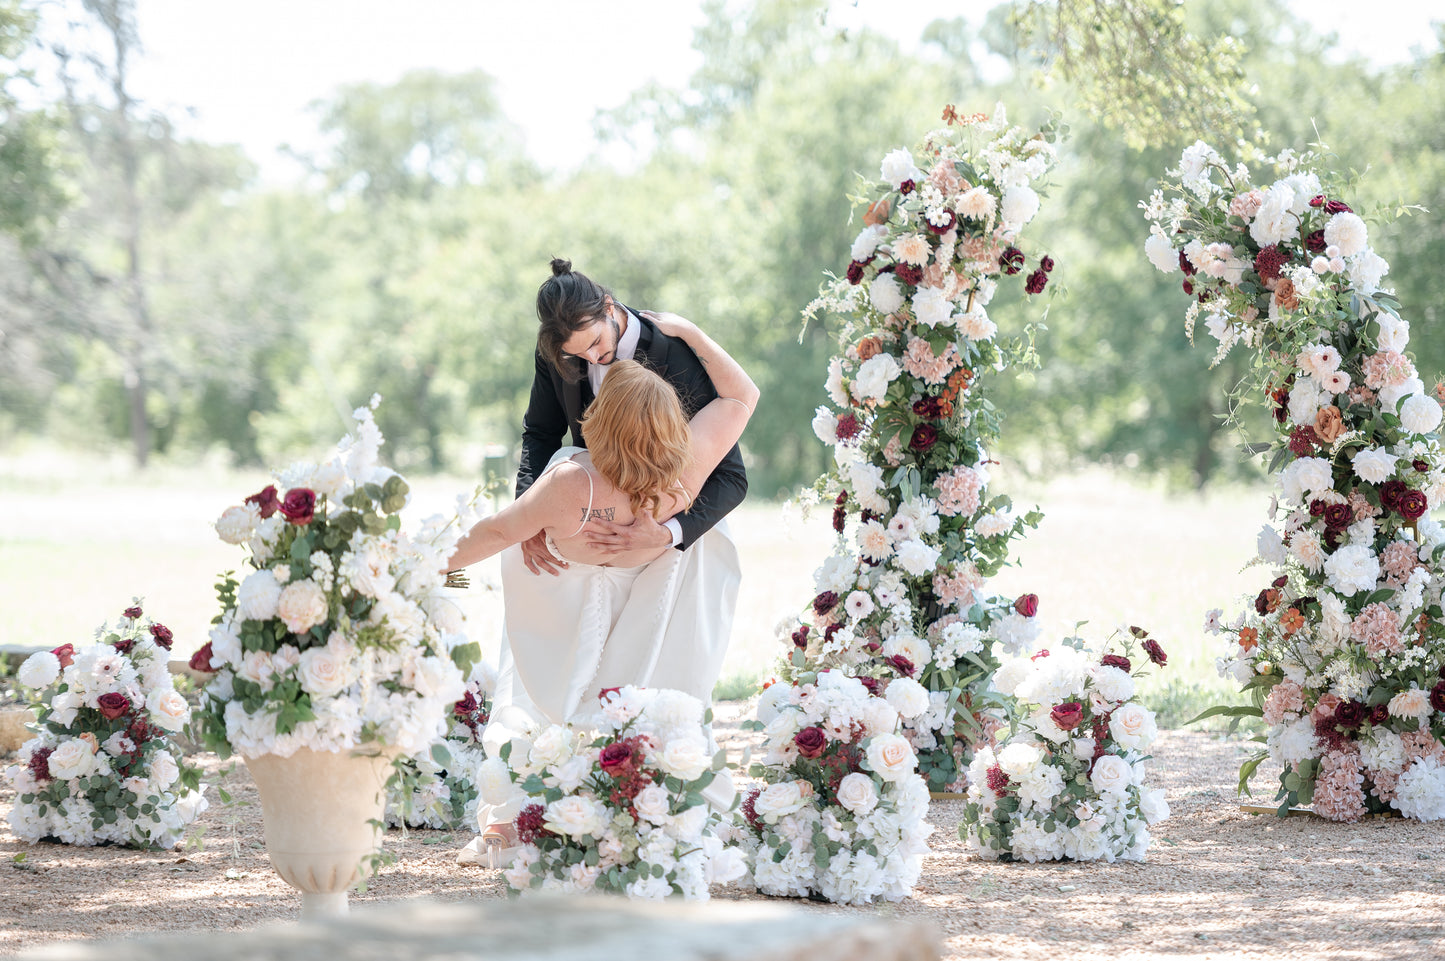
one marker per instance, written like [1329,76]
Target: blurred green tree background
[155,296]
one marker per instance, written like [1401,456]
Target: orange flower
[878,212]
[1329,424]
[1292,620]
[1284,294]
[869,347]
[1248,638]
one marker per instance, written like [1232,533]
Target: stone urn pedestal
[322,813]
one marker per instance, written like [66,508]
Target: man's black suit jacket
[557,405]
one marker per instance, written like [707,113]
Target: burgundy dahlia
[855,272]
[1036,283]
[1413,505]
[1117,660]
[1155,652]
[1011,261]
[299,505]
[162,635]
[924,437]
[825,602]
[811,741]
[266,500]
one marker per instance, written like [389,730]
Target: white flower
[931,307]
[494,781]
[1347,232]
[257,596]
[780,799]
[1374,464]
[1019,206]
[1420,414]
[71,758]
[1195,160]
[859,605]
[367,569]
[1306,476]
[576,816]
[40,669]
[857,793]
[1269,546]
[552,746]
[652,804]
[1212,620]
[302,606]
[1352,569]
[685,757]
[1132,726]
[1111,775]
[169,710]
[322,673]
[891,757]
[834,384]
[1163,256]
[884,294]
[1307,548]
[907,696]
[237,524]
[1113,683]
[163,770]
[1275,221]
[867,242]
[1411,703]
[1153,806]
[1305,402]
[874,376]
[1011,674]
[825,425]
[1018,758]
[1394,333]
[912,248]
[976,325]
[1366,271]
[977,203]
[898,167]
[1420,792]
[916,557]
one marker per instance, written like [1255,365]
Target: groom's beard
[616,339]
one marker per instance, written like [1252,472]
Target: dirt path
[1218,884]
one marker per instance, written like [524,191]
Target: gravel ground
[1219,883]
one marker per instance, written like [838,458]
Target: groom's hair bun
[567,301]
[561,266]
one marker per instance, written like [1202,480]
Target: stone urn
[322,813]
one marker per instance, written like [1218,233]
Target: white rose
[1347,232]
[891,757]
[685,757]
[71,758]
[1132,725]
[884,294]
[257,596]
[907,696]
[1269,546]
[40,669]
[494,782]
[779,800]
[1274,221]
[168,709]
[874,376]
[575,816]
[1367,269]
[1420,414]
[1374,464]
[931,307]
[1394,333]
[1112,775]
[321,672]
[652,804]
[327,480]
[302,606]
[552,747]
[857,793]
[163,771]
[237,524]
[1153,806]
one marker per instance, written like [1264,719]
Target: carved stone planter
[322,812]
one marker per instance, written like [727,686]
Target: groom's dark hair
[567,302]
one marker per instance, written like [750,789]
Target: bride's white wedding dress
[665,623]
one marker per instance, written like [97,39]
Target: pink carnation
[1422,743]
[958,491]
[1286,697]
[1378,628]
[1399,559]
[1246,205]
[1339,791]
[957,587]
[1388,368]
[1362,507]
[920,361]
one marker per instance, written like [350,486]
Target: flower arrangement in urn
[102,768]
[341,636]
[1067,781]
[1343,648]
[436,787]
[841,814]
[904,594]
[620,804]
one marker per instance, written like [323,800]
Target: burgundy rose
[39,764]
[1155,652]
[201,660]
[1413,505]
[531,824]
[855,272]
[162,635]
[133,612]
[66,654]
[1046,264]
[1421,467]
[830,630]
[905,667]
[299,505]
[811,741]
[924,437]
[112,705]
[998,780]
[1186,266]
[1390,493]
[824,603]
[1338,516]
[1437,697]
[124,644]
[1036,282]
[910,274]
[1280,581]
[1350,714]
[840,517]
[1317,508]
[1067,716]
[928,407]
[1337,207]
[1315,242]
[466,705]
[1011,261]
[616,759]
[871,683]
[267,500]
[800,637]
[1027,604]
[1318,200]
[1117,660]
[1379,714]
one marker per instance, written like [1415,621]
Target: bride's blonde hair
[638,437]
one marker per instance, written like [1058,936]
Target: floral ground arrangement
[1344,646]
[1218,883]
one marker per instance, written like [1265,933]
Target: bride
[643,617]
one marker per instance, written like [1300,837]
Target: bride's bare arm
[552,502]
[719,424]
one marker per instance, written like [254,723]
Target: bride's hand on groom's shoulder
[669,323]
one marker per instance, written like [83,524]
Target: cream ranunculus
[575,816]
[651,804]
[781,799]
[1112,775]
[163,771]
[1132,725]
[237,524]
[322,673]
[71,758]
[302,606]
[858,793]
[685,757]
[168,709]
[552,747]
[891,757]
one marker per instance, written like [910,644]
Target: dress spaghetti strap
[591,490]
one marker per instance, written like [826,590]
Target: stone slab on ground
[541,929]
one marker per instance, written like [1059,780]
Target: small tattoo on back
[597,514]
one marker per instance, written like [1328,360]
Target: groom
[583,330]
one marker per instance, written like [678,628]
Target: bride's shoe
[499,845]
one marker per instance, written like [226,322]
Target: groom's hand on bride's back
[537,556]
[644,533]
